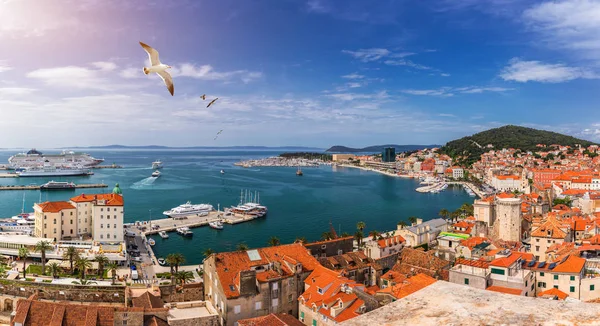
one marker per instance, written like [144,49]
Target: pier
[112,166]
[34,187]
[9,175]
[169,224]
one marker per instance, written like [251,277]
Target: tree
[171,261]
[274,241]
[358,236]
[112,268]
[375,234]
[102,261]
[345,234]
[326,236]
[43,246]
[361,226]
[444,213]
[208,252]
[412,219]
[84,282]
[184,277]
[402,224]
[82,265]
[54,269]
[300,240]
[242,247]
[179,260]
[71,255]
[24,254]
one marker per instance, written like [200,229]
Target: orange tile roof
[511,259]
[473,241]
[409,286]
[271,320]
[508,177]
[110,199]
[230,264]
[554,292]
[550,225]
[472,263]
[572,264]
[55,206]
[505,195]
[390,242]
[503,289]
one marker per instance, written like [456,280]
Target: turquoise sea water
[298,206]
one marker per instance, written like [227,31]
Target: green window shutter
[572,289]
[556,277]
[541,273]
[498,271]
[572,278]
[591,287]
[302,314]
[466,281]
[314,322]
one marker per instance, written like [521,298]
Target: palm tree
[208,252]
[171,261]
[102,261]
[358,236]
[82,265]
[43,246]
[54,269]
[412,219]
[71,255]
[112,268]
[84,282]
[184,277]
[444,213]
[24,254]
[345,234]
[179,260]
[274,241]
[375,234]
[242,247]
[361,226]
[402,224]
[327,236]
[300,240]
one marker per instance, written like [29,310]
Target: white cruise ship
[48,170]
[189,209]
[37,158]
[22,225]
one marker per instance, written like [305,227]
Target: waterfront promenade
[34,187]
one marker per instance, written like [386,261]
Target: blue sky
[295,72]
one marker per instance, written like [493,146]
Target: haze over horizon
[311,72]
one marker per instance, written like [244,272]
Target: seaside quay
[171,224]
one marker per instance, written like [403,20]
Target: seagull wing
[152,54]
[211,102]
[166,77]
[203,97]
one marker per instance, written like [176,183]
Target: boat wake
[144,183]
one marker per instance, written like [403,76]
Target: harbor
[282,162]
[35,187]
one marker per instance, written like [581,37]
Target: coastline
[369,169]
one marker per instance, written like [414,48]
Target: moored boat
[188,209]
[185,231]
[163,234]
[161,261]
[56,185]
[216,225]
[151,242]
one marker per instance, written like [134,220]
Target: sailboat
[299,172]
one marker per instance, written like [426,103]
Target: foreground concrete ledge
[444,303]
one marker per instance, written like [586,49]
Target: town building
[402,288]
[458,172]
[271,320]
[355,266]
[333,247]
[342,157]
[52,219]
[550,233]
[420,233]
[508,215]
[388,155]
[384,247]
[258,282]
[102,214]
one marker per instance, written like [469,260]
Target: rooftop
[444,303]
[190,310]
[271,320]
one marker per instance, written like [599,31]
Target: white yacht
[151,242]
[185,231]
[189,209]
[23,226]
[163,234]
[216,225]
[156,174]
[157,164]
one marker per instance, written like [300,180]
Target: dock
[34,187]
[9,175]
[112,166]
[193,221]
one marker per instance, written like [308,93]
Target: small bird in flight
[220,131]
[157,67]
[211,102]
[203,97]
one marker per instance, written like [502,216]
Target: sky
[295,72]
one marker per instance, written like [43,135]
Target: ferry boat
[161,261]
[188,209]
[56,185]
[151,242]
[156,174]
[185,231]
[163,234]
[36,158]
[48,170]
[216,225]
[157,165]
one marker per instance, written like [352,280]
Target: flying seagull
[203,97]
[211,102]
[159,68]
[220,131]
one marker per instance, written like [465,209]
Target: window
[115,226]
[257,305]
[237,309]
[101,216]
[532,285]
[102,226]
[275,303]
[71,213]
[541,273]
[571,289]
[71,231]
[108,226]
[591,287]
[54,221]
[101,209]
[498,271]
[572,278]
[537,248]
[466,281]
[115,217]
[302,316]
[556,286]
[275,286]
[556,277]
[314,322]
[102,236]
[114,236]
[541,284]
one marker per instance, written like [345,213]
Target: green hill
[467,150]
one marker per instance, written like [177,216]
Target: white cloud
[569,24]
[450,115]
[353,76]
[355,96]
[407,63]
[131,73]
[368,55]
[31,18]
[478,90]
[524,71]
[206,72]
[401,54]
[106,66]
[17,91]
[317,6]
[445,75]
[450,91]
[4,66]
[443,92]
[354,85]
[72,77]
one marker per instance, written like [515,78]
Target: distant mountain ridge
[192,147]
[377,148]
[468,150]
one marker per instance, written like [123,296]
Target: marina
[35,187]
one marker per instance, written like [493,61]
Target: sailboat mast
[23,208]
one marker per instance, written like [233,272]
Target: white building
[422,232]
[458,173]
[506,182]
[102,215]
[381,248]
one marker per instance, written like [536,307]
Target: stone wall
[189,292]
[388,261]
[47,291]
